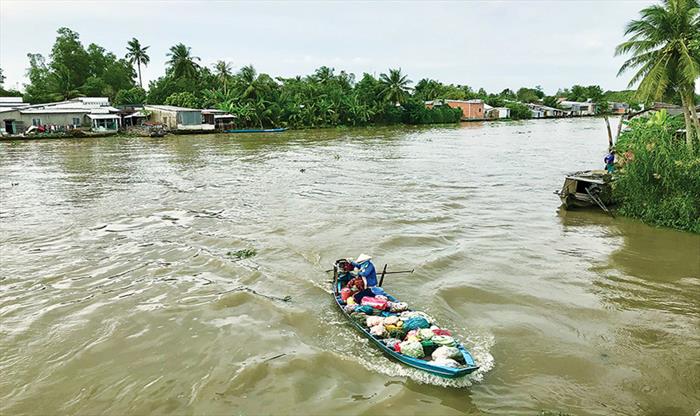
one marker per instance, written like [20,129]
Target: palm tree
[136,54]
[223,73]
[665,47]
[395,86]
[181,62]
[247,77]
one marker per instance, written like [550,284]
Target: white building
[578,108]
[63,115]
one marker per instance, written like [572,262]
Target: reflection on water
[118,292]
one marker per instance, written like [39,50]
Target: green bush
[658,176]
[415,112]
[183,99]
[519,111]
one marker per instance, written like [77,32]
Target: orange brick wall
[469,110]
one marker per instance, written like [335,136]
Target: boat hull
[446,372]
[278,130]
[578,188]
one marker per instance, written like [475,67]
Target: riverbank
[658,175]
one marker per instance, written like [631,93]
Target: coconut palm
[181,62]
[223,72]
[136,54]
[665,48]
[395,86]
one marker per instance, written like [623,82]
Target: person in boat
[610,161]
[366,277]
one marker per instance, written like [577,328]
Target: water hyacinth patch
[243,253]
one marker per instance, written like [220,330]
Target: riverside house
[178,118]
[579,108]
[619,108]
[543,111]
[471,109]
[94,112]
[496,113]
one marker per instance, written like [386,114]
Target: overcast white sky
[490,44]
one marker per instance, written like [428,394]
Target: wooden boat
[587,189]
[442,371]
[277,130]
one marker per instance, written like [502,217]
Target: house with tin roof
[93,112]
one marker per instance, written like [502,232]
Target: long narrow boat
[438,370]
[277,130]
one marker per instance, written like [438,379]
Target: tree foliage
[658,176]
[181,63]
[74,71]
[136,54]
[133,96]
[665,47]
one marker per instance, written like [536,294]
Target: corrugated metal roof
[53,110]
[16,100]
[103,116]
[171,108]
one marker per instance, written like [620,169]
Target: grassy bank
[658,174]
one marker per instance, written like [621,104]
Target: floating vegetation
[243,253]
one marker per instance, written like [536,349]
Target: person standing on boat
[610,161]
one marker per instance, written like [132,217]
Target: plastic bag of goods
[398,306]
[425,333]
[374,302]
[350,308]
[412,349]
[365,309]
[351,301]
[446,362]
[391,342]
[416,322]
[378,331]
[446,352]
[428,346]
[345,293]
[399,333]
[391,320]
[375,321]
[406,315]
[444,340]
[438,331]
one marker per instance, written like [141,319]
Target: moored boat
[276,130]
[587,189]
[467,364]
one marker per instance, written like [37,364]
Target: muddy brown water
[119,293]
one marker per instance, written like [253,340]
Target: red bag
[357,283]
[441,332]
[345,293]
[380,304]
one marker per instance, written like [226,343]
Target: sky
[489,44]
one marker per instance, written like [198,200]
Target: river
[120,290]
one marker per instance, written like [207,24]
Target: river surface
[120,290]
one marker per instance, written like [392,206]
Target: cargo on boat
[407,336]
[591,188]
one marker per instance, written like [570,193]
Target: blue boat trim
[438,370]
[277,130]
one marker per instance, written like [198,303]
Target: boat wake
[479,347]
